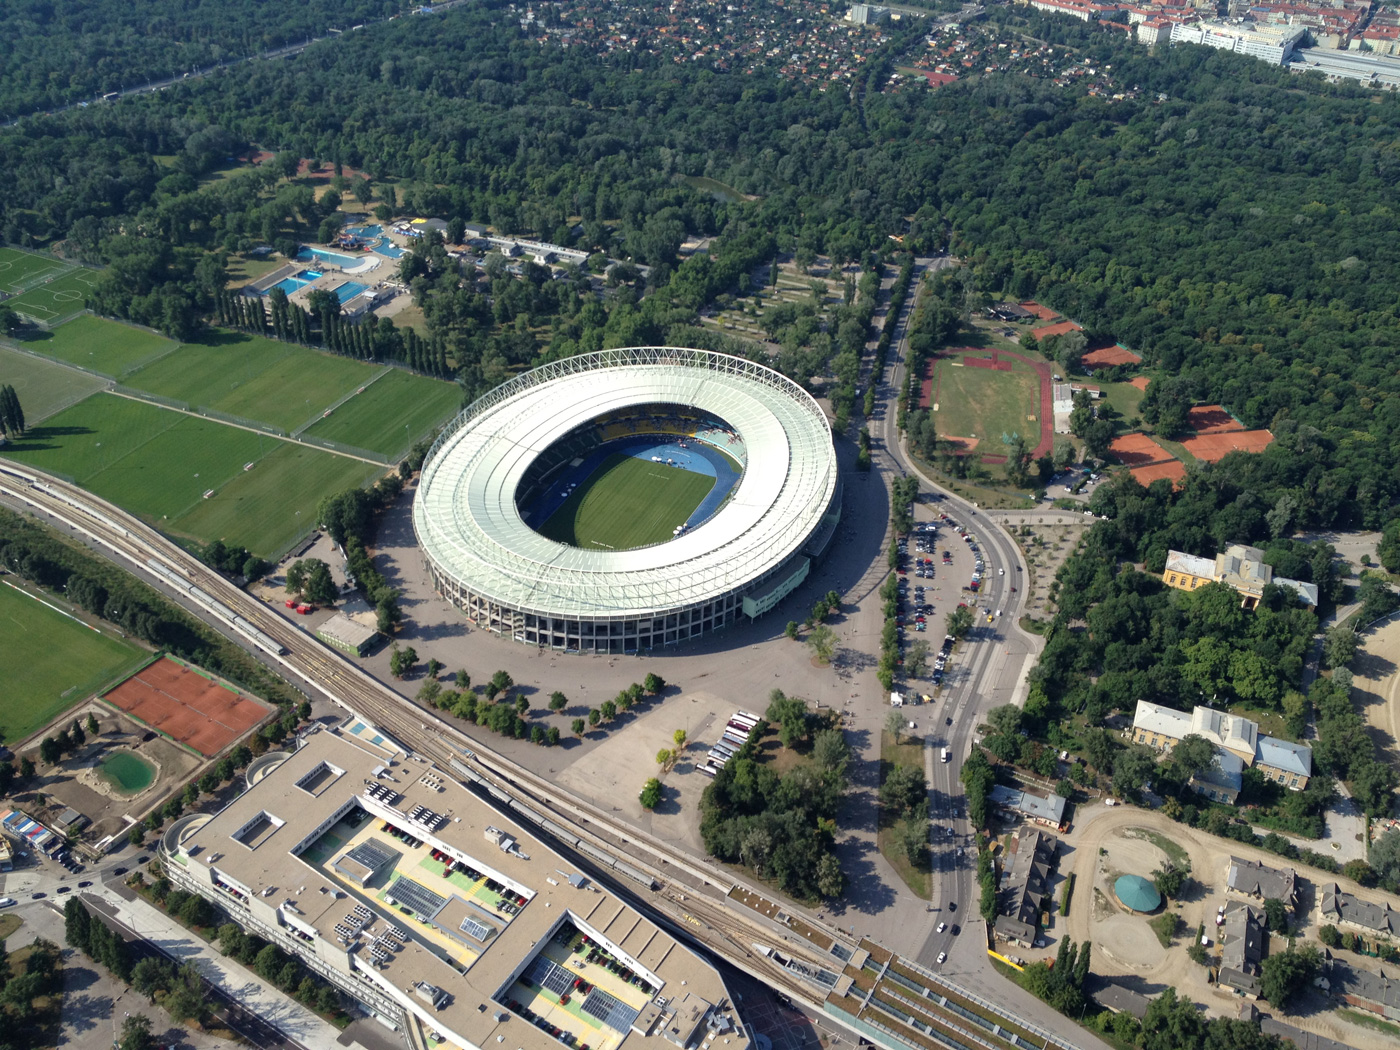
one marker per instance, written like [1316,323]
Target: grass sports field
[158,463]
[20,270]
[50,662]
[626,503]
[392,412]
[43,386]
[281,384]
[265,509]
[59,298]
[985,404]
[109,347]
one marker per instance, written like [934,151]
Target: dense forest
[62,51]
[1232,222]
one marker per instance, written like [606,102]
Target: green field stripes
[50,662]
[107,347]
[280,384]
[58,299]
[21,270]
[390,414]
[268,508]
[43,386]
[983,403]
[627,503]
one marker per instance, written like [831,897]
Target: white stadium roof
[467,523]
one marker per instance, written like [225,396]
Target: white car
[5,902]
[942,926]
[942,958]
[1001,572]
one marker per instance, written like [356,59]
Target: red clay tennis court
[1211,447]
[1110,356]
[1137,450]
[1173,470]
[1211,419]
[186,706]
[1063,328]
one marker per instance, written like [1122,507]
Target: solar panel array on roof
[550,976]
[371,854]
[417,898]
[612,1012]
[476,928]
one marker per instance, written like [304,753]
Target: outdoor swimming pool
[381,244]
[308,253]
[297,280]
[348,291]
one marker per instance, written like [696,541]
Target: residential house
[1040,809]
[1254,879]
[1366,917]
[1240,568]
[1281,761]
[1242,933]
[1376,992]
[1025,882]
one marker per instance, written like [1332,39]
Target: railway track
[696,916]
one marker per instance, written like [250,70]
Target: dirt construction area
[1108,842]
[1376,686]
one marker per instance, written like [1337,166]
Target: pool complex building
[333,274]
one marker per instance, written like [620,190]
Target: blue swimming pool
[297,280]
[348,291]
[380,244]
[307,254]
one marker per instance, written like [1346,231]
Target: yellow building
[1240,568]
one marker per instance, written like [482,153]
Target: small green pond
[126,772]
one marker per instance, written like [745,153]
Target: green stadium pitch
[627,503]
[58,298]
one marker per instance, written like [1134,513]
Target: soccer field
[985,404]
[20,270]
[392,413]
[43,387]
[50,662]
[627,503]
[108,347]
[56,299]
[281,384]
[158,463]
[267,508]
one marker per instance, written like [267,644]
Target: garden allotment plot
[58,299]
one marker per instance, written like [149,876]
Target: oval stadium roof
[468,524]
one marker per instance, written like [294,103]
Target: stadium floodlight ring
[509,578]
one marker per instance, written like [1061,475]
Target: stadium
[628,499]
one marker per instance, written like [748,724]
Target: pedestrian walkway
[240,985]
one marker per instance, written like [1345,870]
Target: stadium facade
[758,547]
[425,901]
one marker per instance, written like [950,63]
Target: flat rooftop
[393,867]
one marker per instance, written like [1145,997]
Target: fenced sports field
[109,348]
[50,661]
[159,464]
[187,706]
[43,386]
[57,298]
[391,413]
[20,271]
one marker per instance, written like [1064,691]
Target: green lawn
[43,387]
[277,383]
[1124,397]
[267,508]
[50,662]
[19,270]
[391,413]
[985,404]
[109,347]
[57,299]
[158,463]
[627,503]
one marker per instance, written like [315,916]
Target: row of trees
[11,412]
